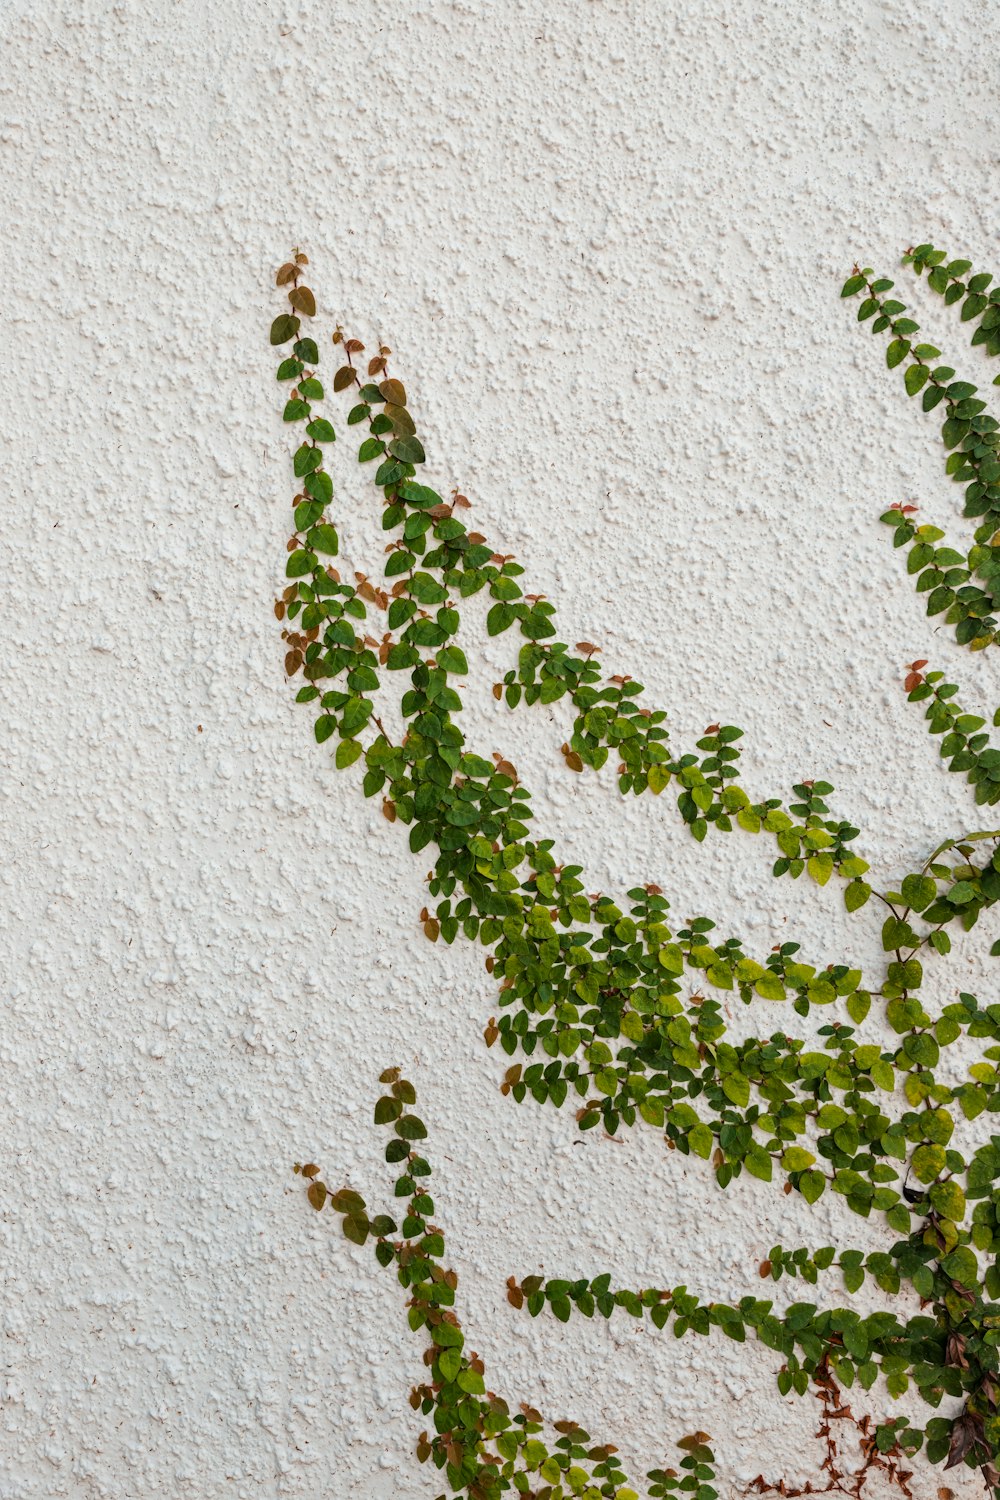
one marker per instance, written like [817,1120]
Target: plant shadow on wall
[595,1001]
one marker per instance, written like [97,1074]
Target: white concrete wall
[606,241]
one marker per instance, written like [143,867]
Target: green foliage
[612,1009]
[964,587]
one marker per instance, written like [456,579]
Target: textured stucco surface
[606,241]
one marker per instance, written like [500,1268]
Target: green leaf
[856,894]
[736,1088]
[299,563]
[918,891]
[347,753]
[915,378]
[928,1160]
[408,449]
[324,539]
[284,327]
[811,1185]
[320,486]
[499,618]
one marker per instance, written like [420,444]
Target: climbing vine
[609,1009]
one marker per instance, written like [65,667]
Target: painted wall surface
[606,241]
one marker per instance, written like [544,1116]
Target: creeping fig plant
[595,1008]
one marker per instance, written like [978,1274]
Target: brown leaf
[388,810]
[764,1270]
[376,365]
[587,646]
[286,273]
[343,378]
[432,929]
[303,300]
[497,690]
[310,1169]
[354,346]
[293,662]
[954,1351]
[912,680]
[491,1032]
[279,609]
[393,391]
[573,761]
[317,1195]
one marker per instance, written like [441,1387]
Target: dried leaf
[343,378]
[286,273]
